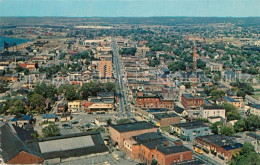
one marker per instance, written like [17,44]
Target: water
[11,41]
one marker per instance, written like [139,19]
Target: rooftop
[160,116]
[191,125]
[230,99]
[213,107]
[173,149]
[219,140]
[128,127]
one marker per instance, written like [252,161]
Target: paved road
[123,103]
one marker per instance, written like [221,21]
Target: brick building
[153,147]
[220,146]
[153,101]
[165,119]
[105,69]
[121,132]
[190,101]
[14,149]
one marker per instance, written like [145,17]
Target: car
[65,125]
[106,163]
[90,113]
[68,127]
[74,122]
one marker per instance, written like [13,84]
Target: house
[121,132]
[49,117]
[212,111]
[190,101]
[74,106]
[62,107]
[66,117]
[189,131]
[14,150]
[165,119]
[236,103]
[255,109]
[22,120]
[220,146]
[214,67]
[68,147]
[101,122]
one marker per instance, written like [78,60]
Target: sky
[130,8]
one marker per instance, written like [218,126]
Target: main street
[123,102]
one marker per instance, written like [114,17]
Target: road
[123,102]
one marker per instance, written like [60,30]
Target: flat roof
[66,144]
[191,125]
[173,149]
[133,126]
[160,116]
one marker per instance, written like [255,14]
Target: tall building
[105,69]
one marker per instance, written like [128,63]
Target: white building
[212,111]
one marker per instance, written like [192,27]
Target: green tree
[247,155]
[90,89]
[252,123]
[37,101]
[17,108]
[215,127]
[215,94]
[51,130]
[231,112]
[227,130]
[110,86]
[123,121]
[239,126]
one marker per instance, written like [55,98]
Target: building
[234,102]
[214,67]
[190,101]
[14,150]
[62,107]
[49,117]
[220,146]
[255,109]
[154,148]
[65,117]
[121,132]
[30,66]
[154,101]
[74,106]
[95,107]
[105,69]
[21,121]
[165,119]
[189,131]
[212,111]
[68,147]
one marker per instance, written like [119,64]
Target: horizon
[129,8]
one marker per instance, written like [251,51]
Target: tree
[231,112]
[247,155]
[239,126]
[252,123]
[17,108]
[90,89]
[69,91]
[51,130]
[123,121]
[37,101]
[110,86]
[227,130]
[215,127]
[109,121]
[215,94]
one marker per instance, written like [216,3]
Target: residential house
[236,103]
[189,131]
[49,117]
[255,109]
[212,111]
[22,120]
[74,106]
